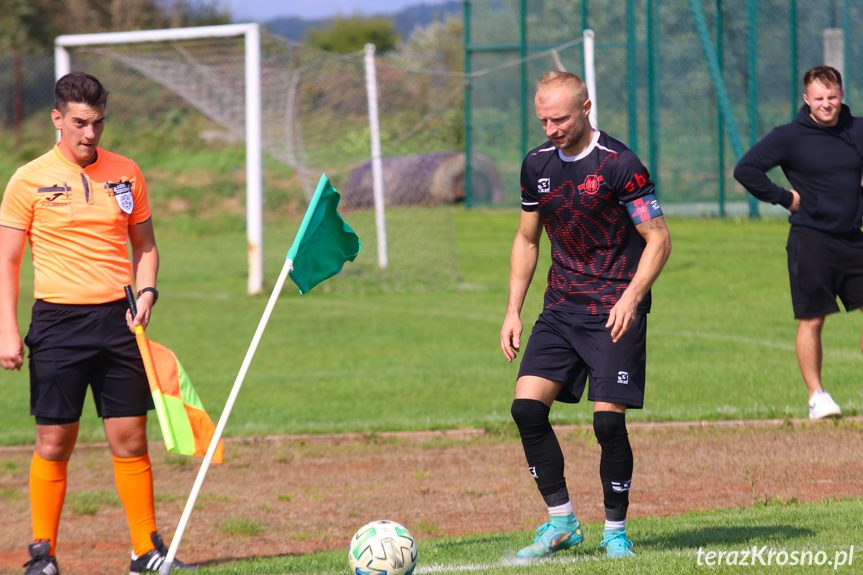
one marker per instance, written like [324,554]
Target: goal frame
[254,152]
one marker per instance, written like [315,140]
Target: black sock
[615,463]
[542,450]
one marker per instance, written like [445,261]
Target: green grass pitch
[339,360]
[720,337]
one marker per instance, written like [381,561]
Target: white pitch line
[749,341]
[426,311]
[511,563]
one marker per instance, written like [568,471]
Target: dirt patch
[298,494]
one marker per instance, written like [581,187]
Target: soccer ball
[382,548]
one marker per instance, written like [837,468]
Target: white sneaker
[822,405]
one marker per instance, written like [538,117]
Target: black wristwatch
[152,290]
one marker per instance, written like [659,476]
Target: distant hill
[422,14]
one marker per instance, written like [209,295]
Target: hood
[806,120]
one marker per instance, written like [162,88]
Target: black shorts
[569,348]
[821,267]
[73,346]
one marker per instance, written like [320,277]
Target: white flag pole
[217,435]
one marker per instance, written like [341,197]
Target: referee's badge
[123,194]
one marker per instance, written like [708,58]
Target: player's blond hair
[563,80]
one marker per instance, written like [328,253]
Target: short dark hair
[79,88]
[823,74]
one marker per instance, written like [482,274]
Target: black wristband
[152,290]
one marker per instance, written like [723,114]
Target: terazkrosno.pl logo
[764,555]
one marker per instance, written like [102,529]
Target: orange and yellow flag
[186,427]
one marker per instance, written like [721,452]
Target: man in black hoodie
[821,154]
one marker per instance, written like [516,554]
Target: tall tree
[438,46]
[32,25]
[345,35]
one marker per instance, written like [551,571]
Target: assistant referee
[80,205]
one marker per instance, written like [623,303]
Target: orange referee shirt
[77,221]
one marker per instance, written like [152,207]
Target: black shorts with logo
[73,346]
[820,268]
[572,348]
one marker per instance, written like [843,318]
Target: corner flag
[324,241]
[323,244]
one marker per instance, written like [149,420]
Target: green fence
[688,85]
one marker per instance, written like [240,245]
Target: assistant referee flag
[324,241]
[186,427]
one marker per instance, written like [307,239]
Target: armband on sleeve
[644,209]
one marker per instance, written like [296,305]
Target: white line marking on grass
[750,341]
[198,295]
[515,563]
[424,311]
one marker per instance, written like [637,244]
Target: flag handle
[130,297]
[223,420]
[150,368]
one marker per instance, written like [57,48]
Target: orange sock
[47,493]
[134,478]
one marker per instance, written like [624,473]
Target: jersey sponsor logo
[543,186]
[591,184]
[623,377]
[53,193]
[637,181]
[122,192]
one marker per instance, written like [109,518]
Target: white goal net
[314,120]
[188,97]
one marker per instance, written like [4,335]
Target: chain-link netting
[654,87]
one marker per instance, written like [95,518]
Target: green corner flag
[324,241]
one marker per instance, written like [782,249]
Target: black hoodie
[824,165]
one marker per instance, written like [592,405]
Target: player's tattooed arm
[650,224]
[657,249]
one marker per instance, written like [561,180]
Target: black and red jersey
[582,201]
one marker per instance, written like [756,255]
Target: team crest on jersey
[543,185]
[122,192]
[591,184]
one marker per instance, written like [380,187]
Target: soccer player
[821,154]
[80,205]
[609,242]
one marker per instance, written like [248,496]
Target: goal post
[385,128]
[590,76]
[377,165]
[254,154]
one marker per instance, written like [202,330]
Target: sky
[263,10]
